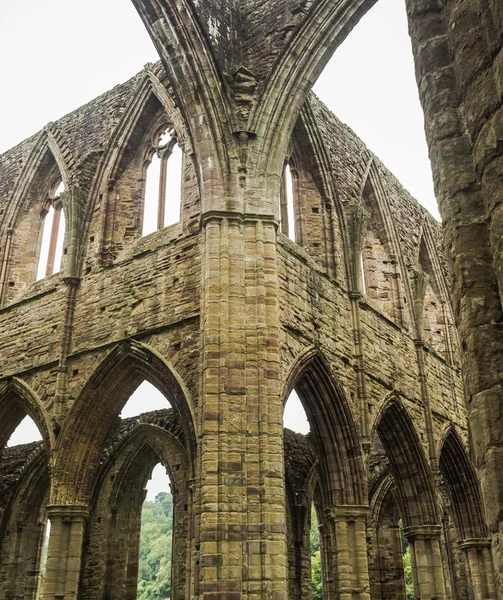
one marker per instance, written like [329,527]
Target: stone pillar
[426,560]
[64,556]
[349,553]
[479,568]
[241,502]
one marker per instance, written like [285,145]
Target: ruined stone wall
[126,308]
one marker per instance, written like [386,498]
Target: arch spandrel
[90,419]
[334,430]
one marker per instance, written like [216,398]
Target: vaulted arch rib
[99,403]
[313,42]
[333,428]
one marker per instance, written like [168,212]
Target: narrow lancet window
[287,204]
[156,539]
[163,183]
[53,234]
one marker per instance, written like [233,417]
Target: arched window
[53,233]
[25,433]
[294,415]
[163,182]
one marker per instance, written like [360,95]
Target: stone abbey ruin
[386,324]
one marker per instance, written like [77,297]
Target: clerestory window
[53,233]
[163,182]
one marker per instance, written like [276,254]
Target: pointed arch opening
[37,246]
[437,320]
[156,537]
[288,204]
[141,512]
[389,554]
[53,234]
[381,280]
[25,441]
[146,174]
[162,181]
[294,415]
[407,463]
[332,429]
[102,400]
[463,486]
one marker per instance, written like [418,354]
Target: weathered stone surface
[225,314]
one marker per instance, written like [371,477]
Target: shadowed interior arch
[24,524]
[333,429]
[464,489]
[118,499]
[408,465]
[100,403]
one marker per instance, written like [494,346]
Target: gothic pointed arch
[415,491]
[464,488]
[36,193]
[196,78]
[100,402]
[318,216]
[436,321]
[381,260]
[128,462]
[297,67]
[334,431]
[124,171]
[18,399]
[24,522]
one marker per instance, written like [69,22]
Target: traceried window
[53,233]
[163,182]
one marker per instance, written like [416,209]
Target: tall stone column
[479,567]
[458,55]
[242,521]
[349,553]
[64,556]
[426,560]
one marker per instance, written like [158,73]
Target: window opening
[53,234]
[287,202]
[163,183]
[294,415]
[156,538]
[316,570]
[25,433]
[145,398]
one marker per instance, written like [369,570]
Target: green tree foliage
[407,568]
[154,573]
[316,577]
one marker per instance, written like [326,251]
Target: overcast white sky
[58,55]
